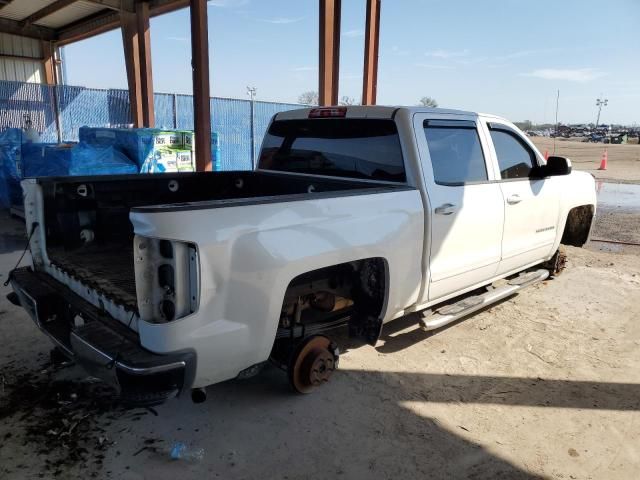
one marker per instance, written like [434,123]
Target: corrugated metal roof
[21,9]
[20,46]
[74,12]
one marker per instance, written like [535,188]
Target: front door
[465,208]
[531,204]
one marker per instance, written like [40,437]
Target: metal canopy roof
[65,21]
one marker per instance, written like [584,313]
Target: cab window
[515,158]
[455,151]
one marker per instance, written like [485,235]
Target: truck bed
[102,205]
[109,271]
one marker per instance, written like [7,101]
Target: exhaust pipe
[198,395]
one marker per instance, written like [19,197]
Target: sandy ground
[543,385]
[623,160]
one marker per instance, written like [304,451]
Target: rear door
[531,205]
[466,211]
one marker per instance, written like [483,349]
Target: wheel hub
[312,364]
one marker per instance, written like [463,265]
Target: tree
[345,100]
[308,98]
[524,125]
[428,102]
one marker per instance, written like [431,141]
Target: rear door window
[455,151]
[356,148]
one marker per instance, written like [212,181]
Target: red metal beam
[329,44]
[48,63]
[146,75]
[132,62]
[200,66]
[371,44]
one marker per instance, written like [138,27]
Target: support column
[132,63]
[49,63]
[51,79]
[329,64]
[201,96]
[371,44]
[144,50]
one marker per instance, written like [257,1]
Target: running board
[455,311]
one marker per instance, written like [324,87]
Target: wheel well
[315,296]
[578,225]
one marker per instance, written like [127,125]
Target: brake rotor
[313,362]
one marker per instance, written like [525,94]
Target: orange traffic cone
[546,154]
[603,160]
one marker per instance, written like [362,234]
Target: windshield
[357,148]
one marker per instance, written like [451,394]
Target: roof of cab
[374,111]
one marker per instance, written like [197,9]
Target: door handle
[513,199]
[445,209]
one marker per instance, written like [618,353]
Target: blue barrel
[215,151]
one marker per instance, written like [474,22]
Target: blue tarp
[136,143]
[19,160]
[10,167]
[81,159]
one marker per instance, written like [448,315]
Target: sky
[506,57]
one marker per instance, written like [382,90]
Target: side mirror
[558,166]
[555,166]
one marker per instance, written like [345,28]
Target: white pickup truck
[354,215]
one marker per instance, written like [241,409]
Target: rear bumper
[102,345]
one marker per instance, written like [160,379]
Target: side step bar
[446,314]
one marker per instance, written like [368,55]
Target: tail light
[166,279]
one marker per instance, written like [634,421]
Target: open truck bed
[89,236]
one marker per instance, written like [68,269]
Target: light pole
[600,102]
[251,91]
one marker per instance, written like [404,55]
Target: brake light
[329,112]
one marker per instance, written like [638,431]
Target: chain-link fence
[57,112]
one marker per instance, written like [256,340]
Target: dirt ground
[544,385]
[623,160]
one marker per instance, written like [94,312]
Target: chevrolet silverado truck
[353,217]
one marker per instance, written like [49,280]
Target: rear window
[356,148]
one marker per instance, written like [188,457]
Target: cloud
[581,75]
[281,20]
[471,60]
[353,33]
[227,3]
[395,50]
[178,39]
[304,69]
[444,54]
[433,66]
[526,53]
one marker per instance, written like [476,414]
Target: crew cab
[353,216]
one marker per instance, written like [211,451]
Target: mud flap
[365,327]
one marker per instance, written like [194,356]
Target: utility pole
[600,102]
[556,133]
[251,91]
